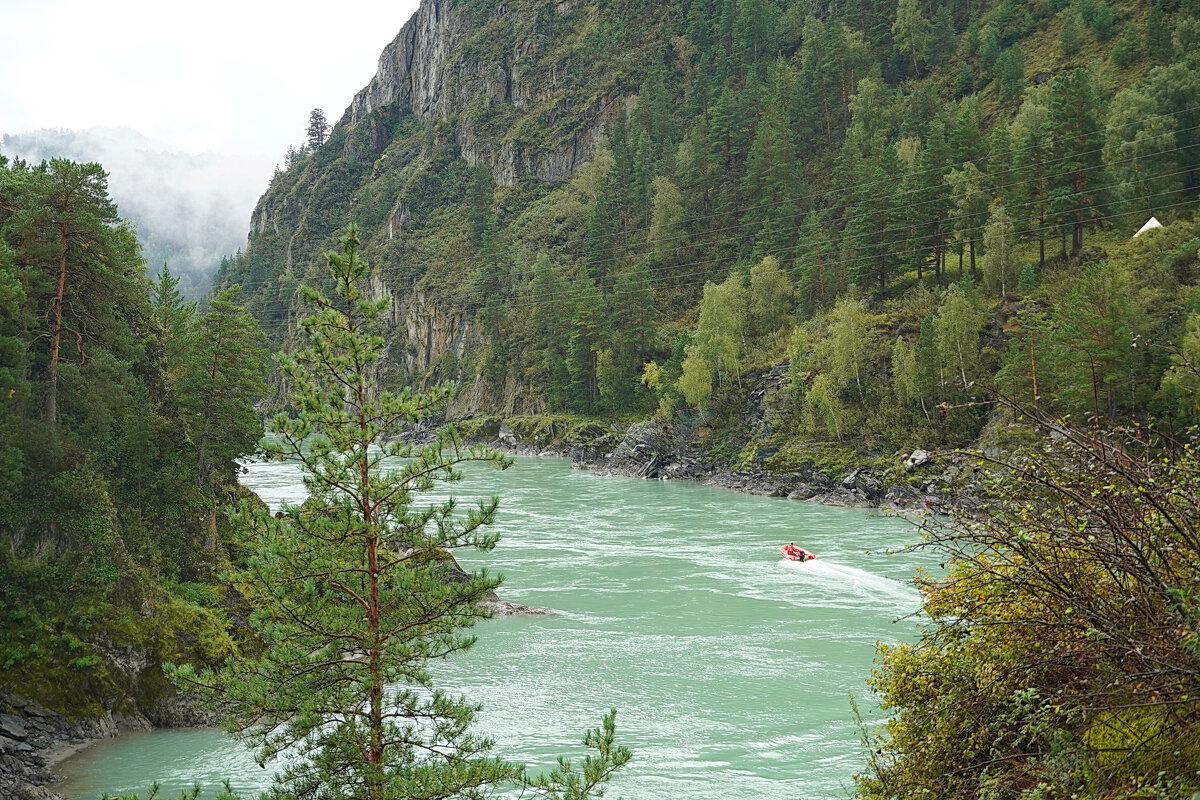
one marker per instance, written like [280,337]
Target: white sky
[228,76]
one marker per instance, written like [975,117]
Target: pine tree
[358,595]
[1127,50]
[318,129]
[754,37]
[1078,187]
[1000,182]
[1070,34]
[1140,150]
[1176,88]
[584,341]
[1010,73]
[1031,165]
[667,215]
[933,196]
[1159,46]
[940,43]
[970,201]
[1104,22]
[68,227]
[990,50]
[772,176]
[818,278]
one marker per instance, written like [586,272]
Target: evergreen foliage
[318,129]
[858,146]
[107,513]
[358,592]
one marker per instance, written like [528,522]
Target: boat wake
[841,578]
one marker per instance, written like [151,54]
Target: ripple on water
[730,669]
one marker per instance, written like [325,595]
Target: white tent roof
[1151,224]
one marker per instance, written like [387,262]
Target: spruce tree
[1159,46]
[940,43]
[1078,188]
[356,593]
[218,379]
[318,129]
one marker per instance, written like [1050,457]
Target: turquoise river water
[731,669]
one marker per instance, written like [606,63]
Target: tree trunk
[1041,241]
[1033,369]
[56,315]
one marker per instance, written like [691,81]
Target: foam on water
[841,578]
[730,669]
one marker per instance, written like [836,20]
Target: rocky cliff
[437,68]
[477,109]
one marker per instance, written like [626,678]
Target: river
[731,669]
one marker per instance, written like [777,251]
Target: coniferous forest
[805,236]
[907,207]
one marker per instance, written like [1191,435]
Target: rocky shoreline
[653,451]
[33,739]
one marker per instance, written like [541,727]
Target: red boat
[793,553]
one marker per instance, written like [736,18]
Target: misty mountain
[189,209]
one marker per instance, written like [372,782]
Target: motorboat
[793,553]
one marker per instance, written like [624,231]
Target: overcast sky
[228,76]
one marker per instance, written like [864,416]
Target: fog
[189,209]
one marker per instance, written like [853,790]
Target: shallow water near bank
[731,669]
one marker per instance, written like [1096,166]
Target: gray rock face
[412,68]
[423,72]
[12,727]
[28,732]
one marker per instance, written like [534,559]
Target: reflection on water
[730,668]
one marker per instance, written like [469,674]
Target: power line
[568,298]
[1049,146]
[473,296]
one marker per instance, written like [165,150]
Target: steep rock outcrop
[524,90]
[428,332]
[429,71]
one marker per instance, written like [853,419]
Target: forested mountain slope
[636,207]
[123,409]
